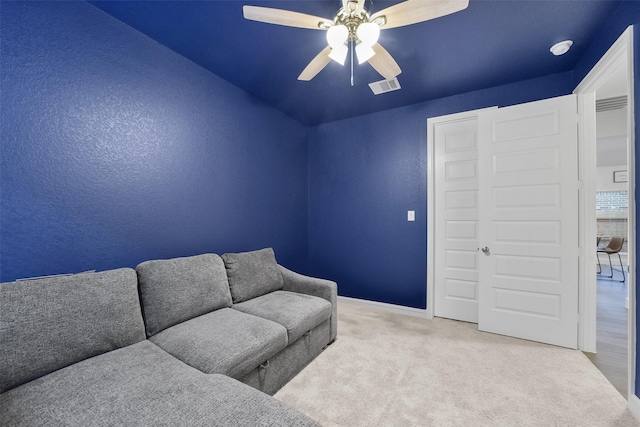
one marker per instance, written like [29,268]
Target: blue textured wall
[366,173]
[115,150]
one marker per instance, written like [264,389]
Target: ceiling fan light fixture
[339,53]
[368,33]
[364,52]
[355,25]
[337,36]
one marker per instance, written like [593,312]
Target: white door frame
[622,49]
[620,54]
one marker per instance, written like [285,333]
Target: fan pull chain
[352,84]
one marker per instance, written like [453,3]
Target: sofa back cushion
[252,274]
[49,323]
[179,289]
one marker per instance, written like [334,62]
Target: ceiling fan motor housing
[351,18]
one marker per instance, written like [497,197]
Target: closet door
[456,218]
[528,263]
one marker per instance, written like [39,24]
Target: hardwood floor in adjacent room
[611,330]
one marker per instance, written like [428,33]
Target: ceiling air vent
[610,104]
[384,86]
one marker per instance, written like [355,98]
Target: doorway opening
[612,225]
[608,82]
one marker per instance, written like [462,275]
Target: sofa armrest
[324,289]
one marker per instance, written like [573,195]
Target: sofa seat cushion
[141,385]
[225,342]
[299,313]
[179,289]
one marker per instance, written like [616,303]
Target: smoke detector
[561,48]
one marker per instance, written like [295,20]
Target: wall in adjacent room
[604,178]
[114,150]
[365,173]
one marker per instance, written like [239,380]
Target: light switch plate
[411,215]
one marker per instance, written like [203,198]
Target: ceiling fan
[353,24]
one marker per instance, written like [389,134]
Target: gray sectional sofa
[192,341]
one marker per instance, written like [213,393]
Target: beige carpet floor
[388,369]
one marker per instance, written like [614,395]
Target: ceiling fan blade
[384,63]
[413,11]
[288,18]
[316,65]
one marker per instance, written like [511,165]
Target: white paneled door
[456,236]
[506,219]
[528,259]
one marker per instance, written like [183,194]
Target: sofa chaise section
[48,324]
[140,385]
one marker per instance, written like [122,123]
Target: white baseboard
[398,309]
[634,406]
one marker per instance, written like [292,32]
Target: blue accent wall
[114,150]
[365,173]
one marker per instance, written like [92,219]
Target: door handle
[486,251]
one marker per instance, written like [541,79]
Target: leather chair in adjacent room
[614,247]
